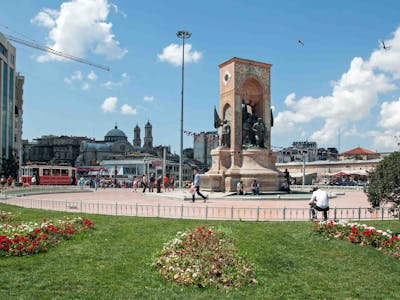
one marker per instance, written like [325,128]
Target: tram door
[35,172]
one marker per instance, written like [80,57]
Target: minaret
[148,137]
[136,136]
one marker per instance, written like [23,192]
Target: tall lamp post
[182,34]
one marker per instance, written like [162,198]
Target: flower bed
[6,216]
[203,257]
[361,234]
[30,238]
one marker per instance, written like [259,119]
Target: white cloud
[109,104]
[148,98]
[289,99]
[85,86]
[389,115]
[79,26]
[76,76]
[118,10]
[128,110]
[111,84]
[352,98]
[173,54]
[384,141]
[45,18]
[92,76]
[388,60]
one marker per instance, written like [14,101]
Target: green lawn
[114,262]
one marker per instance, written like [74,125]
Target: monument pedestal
[229,167]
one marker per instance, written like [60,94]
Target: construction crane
[55,52]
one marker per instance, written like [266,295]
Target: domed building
[115,135]
[115,142]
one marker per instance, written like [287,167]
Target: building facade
[92,152]
[317,171]
[18,111]
[7,97]
[305,151]
[203,143]
[54,149]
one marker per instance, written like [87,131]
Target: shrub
[385,183]
[203,257]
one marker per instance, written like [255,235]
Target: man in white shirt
[319,202]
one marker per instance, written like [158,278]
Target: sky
[340,89]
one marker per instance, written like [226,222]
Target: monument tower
[136,136]
[245,129]
[148,136]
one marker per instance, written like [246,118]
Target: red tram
[48,175]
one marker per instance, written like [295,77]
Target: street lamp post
[182,34]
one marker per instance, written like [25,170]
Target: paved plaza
[348,199]
[349,205]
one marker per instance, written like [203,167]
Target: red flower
[351,238]
[199,229]
[354,229]
[367,232]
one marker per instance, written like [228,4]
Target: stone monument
[244,123]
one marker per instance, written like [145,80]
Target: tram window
[46,172]
[56,172]
[64,172]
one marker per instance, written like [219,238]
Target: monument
[244,123]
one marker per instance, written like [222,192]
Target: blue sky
[340,80]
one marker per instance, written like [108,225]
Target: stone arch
[227,113]
[252,92]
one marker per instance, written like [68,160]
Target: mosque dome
[115,135]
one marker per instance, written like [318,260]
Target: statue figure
[259,133]
[226,134]
[245,126]
[226,129]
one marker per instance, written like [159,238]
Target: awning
[300,175]
[340,174]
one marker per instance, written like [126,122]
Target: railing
[11,191]
[327,187]
[199,212]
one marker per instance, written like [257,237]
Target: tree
[9,167]
[384,184]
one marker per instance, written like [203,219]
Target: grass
[114,262]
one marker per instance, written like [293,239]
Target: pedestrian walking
[144,182]
[152,181]
[196,183]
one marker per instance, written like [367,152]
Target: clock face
[227,77]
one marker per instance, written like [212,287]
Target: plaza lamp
[182,34]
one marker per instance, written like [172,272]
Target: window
[4,109]
[46,172]
[3,50]
[64,172]
[56,172]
